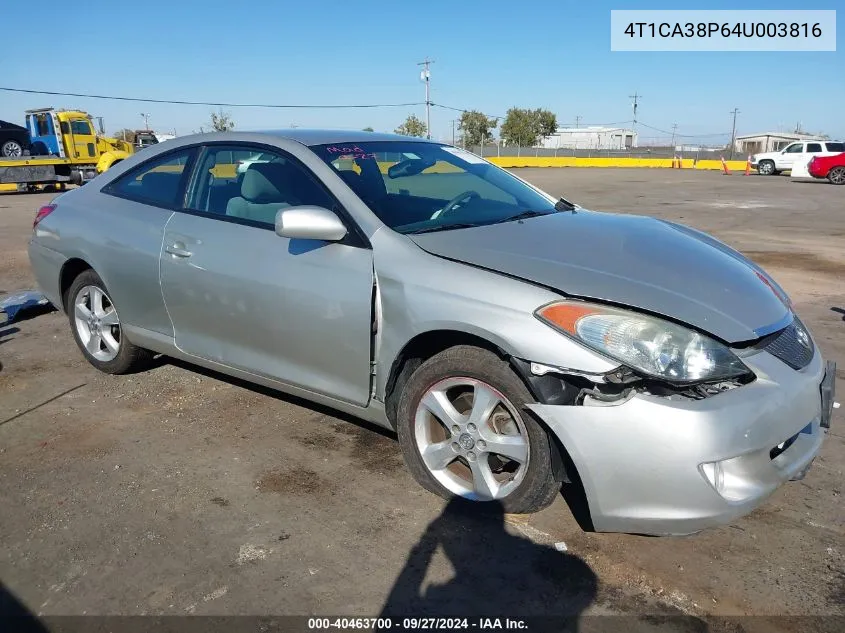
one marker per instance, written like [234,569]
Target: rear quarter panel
[121,240]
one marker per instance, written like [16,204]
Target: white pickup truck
[799,152]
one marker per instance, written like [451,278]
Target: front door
[296,311]
[83,140]
[789,155]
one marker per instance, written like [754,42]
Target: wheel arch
[429,343]
[71,269]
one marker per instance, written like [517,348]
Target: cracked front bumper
[655,465]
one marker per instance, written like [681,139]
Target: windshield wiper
[523,215]
[443,227]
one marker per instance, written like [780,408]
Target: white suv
[799,152]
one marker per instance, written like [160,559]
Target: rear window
[835,147]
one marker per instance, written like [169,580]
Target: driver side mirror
[309,223]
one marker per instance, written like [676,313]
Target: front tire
[464,432]
[766,168]
[97,330]
[836,176]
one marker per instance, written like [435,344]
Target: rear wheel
[464,432]
[11,149]
[837,175]
[766,168]
[97,330]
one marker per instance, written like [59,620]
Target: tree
[367,129]
[222,121]
[546,122]
[412,127]
[476,127]
[518,128]
[125,135]
[524,127]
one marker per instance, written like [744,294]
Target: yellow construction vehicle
[64,148]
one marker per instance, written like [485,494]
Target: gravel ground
[180,491]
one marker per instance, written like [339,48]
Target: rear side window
[836,147]
[814,147]
[159,182]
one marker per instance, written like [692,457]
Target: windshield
[414,187]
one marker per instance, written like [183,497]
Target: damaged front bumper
[673,465]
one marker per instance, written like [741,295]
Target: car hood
[654,265]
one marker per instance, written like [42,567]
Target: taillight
[42,213]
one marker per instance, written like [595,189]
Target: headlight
[653,346]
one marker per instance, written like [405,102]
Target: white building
[769,141]
[591,138]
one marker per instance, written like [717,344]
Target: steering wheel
[454,203]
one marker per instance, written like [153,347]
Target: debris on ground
[22,301]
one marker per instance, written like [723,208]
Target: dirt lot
[178,491]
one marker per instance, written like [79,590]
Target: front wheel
[97,330]
[766,168]
[837,176]
[464,432]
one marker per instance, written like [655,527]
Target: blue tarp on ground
[23,300]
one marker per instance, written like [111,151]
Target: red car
[830,167]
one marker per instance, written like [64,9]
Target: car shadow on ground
[15,616]
[496,574]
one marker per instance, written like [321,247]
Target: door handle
[177,251]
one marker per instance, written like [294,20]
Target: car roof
[326,136]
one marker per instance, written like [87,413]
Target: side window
[795,148]
[80,127]
[252,184]
[157,182]
[836,147]
[814,147]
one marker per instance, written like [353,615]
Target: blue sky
[488,56]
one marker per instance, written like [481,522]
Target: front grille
[792,345]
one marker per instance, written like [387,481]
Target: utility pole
[577,120]
[453,131]
[146,120]
[635,97]
[425,76]
[674,129]
[735,111]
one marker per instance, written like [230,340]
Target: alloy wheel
[471,439]
[12,149]
[837,175]
[97,324]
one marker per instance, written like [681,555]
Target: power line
[211,103]
[657,129]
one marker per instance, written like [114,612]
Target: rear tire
[836,176]
[463,458]
[766,168]
[11,149]
[96,327]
